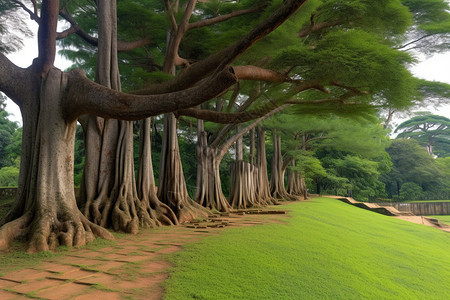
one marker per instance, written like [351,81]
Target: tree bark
[115,201]
[209,188]
[262,178]
[243,185]
[48,214]
[172,185]
[151,210]
[277,187]
[296,184]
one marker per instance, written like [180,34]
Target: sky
[435,68]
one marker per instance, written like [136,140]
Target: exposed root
[191,210]
[98,210]
[12,230]
[69,229]
[47,232]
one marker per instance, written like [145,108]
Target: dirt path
[133,268]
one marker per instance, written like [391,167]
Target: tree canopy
[431,131]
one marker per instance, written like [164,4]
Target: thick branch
[83,96]
[122,46]
[225,146]
[33,15]
[17,83]
[219,135]
[169,9]
[250,72]
[222,18]
[201,69]
[316,27]
[224,117]
[47,35]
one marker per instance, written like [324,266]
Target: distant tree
[411,163]
[7,129]
[444,167]
[410,191]
[431,131]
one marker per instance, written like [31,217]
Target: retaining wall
[423,208]
[7,192]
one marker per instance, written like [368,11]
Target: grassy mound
[329,250]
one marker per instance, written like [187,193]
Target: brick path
[133,268]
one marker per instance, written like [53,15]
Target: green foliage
[410,191]
[431,131]
[385,16]
[9,176]
[411,163]
[79,156]
[7,131]
[328,250]
[13,28]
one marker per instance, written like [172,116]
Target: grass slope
[329,250]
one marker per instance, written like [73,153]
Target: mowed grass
[328,250]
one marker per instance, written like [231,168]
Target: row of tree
[198,62]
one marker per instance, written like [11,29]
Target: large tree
[431,131]
[52,100]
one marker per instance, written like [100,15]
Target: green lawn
[329,250]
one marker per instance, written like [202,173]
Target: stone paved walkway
[133,268]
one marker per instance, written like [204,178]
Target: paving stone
[99,278]
[129,258]
[5,295]
[107,250]
[36,285]
[154,266]
[63,291]
[100,295]
[56,267]
[110,266]
[170,249]
[7,283]
[81,261]
[72,275]
[26,274]
[87,253]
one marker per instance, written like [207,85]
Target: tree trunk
[49,215]
[243,180]
[243,185]
[114,200]
[172,185]
[209,188]
[296,184]
[151,211]
[277,188]
[262,178]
